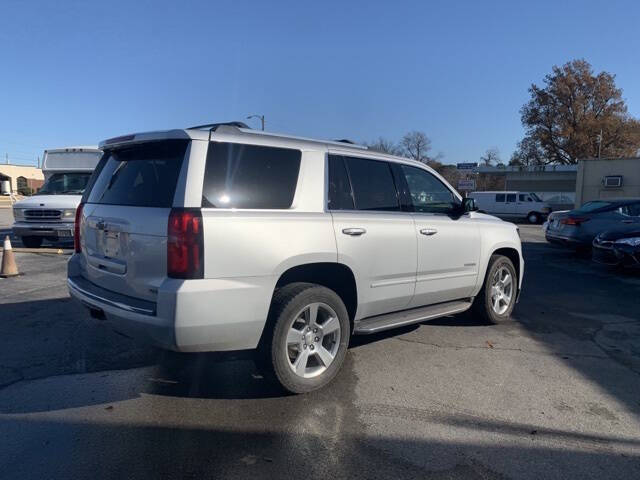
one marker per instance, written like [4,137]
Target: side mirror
[469,205]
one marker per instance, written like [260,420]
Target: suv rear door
[125,217]
[373,235]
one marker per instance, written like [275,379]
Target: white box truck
[50,213]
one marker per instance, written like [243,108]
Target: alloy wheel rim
[501,290]
[313,340]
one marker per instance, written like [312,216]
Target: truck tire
[32,242]
[306,337]
[495,301]
[533,218]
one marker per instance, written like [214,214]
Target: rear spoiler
[134,138]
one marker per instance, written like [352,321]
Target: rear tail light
[574,220]
[76,229]
[185,253]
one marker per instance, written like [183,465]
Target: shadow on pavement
[286,447]
[570,296]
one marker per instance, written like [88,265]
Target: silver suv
[221,238]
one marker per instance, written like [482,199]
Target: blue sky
[78,72]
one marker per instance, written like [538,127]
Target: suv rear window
[143,175]
[250,176]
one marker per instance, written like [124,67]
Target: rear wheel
[307,342]
[32,242]
[533,218]
[495,302]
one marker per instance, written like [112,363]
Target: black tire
[274,352]
[32,242]
[482,304]
[533,218]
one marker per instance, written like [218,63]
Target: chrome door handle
[428,231]
[354,232]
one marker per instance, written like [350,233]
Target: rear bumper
[566,241]
[44,229]
[134,318]
[188,315]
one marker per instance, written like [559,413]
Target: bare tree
[416,145]
[384,146]
[491,157]
[528,153]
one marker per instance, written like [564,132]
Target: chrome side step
[387,321]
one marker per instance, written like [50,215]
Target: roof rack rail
[212,127]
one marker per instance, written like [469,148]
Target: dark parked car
[619,247]
[577,228]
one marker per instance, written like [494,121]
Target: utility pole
[38,161]
[599,144]
[261,117]
[6,158]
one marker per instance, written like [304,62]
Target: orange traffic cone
[9,267]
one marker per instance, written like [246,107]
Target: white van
[512,204]
[50,213]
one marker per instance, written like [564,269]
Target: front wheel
[495,301]
[533,218]
[308,336]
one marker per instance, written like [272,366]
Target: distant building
[21,178]
[555,184]
[607,178]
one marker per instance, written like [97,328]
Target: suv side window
[428,194]
[511,197]
[250,176]
[340,194]
[373,184]
[500,197]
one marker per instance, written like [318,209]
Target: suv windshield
[72,183]
[535,197]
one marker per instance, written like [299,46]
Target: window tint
[428,194]
[373,185]
[250,176]
[143,175]
[511,197]
[500,197]
[632,210]
[340,197]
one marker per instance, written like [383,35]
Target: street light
[599,140]
[261,117]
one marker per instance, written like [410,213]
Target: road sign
[467,166]
[466,184]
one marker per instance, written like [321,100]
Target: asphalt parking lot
[553,393]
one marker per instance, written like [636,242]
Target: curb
[49,251]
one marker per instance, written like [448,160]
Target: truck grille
[42,215]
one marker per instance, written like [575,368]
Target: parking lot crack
[497,348]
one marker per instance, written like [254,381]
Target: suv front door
[448,241]
[373,236]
